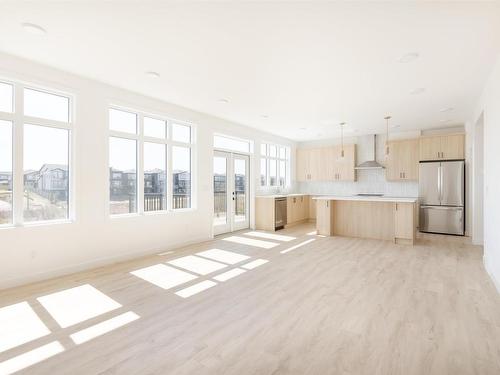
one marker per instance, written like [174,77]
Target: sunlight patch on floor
[103,327]
[30,358]
[251,242]
[75,305]
[313,233]
[164,276]
[19,324]
[223,256]
[229,274]
[197,265]
[270,236]
[195,289]
[254,264]
[297,246]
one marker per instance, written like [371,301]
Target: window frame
[277,159]
[19,120]
[140,138]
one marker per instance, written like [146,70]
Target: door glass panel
[220,190]
[240,176]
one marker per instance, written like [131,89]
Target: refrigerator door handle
[439,183]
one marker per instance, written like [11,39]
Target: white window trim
[140,138]
[268,158]
[18,120]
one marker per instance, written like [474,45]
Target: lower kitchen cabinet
[405,223]
[297,209]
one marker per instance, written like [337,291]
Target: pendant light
[387,118]
[342,139]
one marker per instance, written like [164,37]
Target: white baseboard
[489,270]
[95,263]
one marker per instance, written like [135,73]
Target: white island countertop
[365,198]
[281,195]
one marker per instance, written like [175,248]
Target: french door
[231,192]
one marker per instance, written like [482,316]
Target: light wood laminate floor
[329,306]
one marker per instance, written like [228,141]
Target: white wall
[489,107]
[37,252]
[478,181]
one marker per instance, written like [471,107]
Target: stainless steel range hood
[369,146]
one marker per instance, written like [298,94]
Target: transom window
[274,165]
[150,163]
[224,142]
[35,143]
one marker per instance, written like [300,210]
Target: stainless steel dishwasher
[279,213]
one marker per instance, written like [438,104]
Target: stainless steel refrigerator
[442,197]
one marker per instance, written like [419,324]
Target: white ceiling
[303,64]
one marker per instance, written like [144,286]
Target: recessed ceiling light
[223,100]
[34,29]
[264,116]
[417,91]
[302,128]
[153,74]
[447,109]
[408,57]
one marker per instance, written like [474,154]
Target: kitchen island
[382,218]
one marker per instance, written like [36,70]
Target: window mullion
[140,166]
[169,179]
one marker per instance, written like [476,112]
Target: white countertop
[345,198]
[281,195]
[365,198]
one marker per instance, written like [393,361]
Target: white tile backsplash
[368,181]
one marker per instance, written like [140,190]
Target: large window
[141,178]
[36,177]
[274,165]
[5,172]
[46,174]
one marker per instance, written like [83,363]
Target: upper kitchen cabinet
[402,161]
[343,167]
[308,165]
[442,147]
[326,164]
